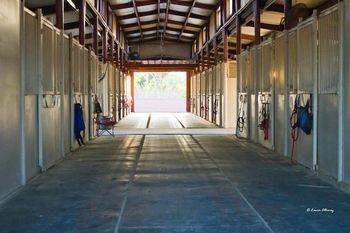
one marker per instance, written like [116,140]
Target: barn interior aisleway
[160,91]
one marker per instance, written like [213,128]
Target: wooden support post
[224,12]
[202,60]
[132,91]
[104,45]
[257,21]
[225,41]
[111,55]
[216,51]
[60,14]
[188,92]
[95,35]
[239,29]
[82,13]
[121,61]
[208,56]
[287,7]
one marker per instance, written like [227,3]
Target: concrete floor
[176,183]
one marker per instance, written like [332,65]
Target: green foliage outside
[160,84]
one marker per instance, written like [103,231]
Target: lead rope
[241,119]
[295,129]
[264,117]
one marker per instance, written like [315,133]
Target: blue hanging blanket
[78,120]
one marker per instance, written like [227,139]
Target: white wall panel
[10,159]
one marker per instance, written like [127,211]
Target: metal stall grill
[266,66]
[306,61]
[292,61]
[329,51]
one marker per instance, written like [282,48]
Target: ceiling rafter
[158,17]
[168,28]
[143,23]
[137,17]
[166,17]
[151,2]
[166,11]
[155,34]
[187,17]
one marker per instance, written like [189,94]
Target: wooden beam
[95,35]
[155,29]
[276,8]
[287,7]
[82,14]
[105,42]
[225,39]
[138,3]
[158,17]
[162,11]
[271,27]
[257,21]
[60,14]
[166,17]
[137,17]
[187,17]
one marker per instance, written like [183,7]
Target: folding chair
[104,124]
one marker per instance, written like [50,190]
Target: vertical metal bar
[71,91]
[273,93]
[341,93]
[257,65]
[238,59]
[22,98]
[315,95]
[286,93]
[62,105]
[40,85]
[90,104]
[82,13]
